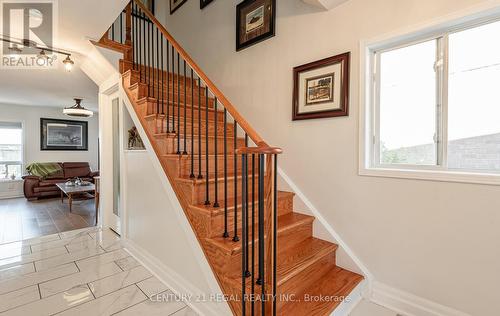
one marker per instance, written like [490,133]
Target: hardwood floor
[20,219]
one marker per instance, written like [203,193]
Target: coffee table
[76,192]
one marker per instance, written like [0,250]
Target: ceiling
[78,21]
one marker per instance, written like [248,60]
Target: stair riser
[172,86]
[196,193]
[174,98]
[184,165]
[159,125]
[174,107]
[217,222]
[285,205]
[230,265]
[152,107]
[307,277]
[140,91]
[213,225]
[144,75]
[168,145]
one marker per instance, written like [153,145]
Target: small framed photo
[204,3]
[321,88]
[176,4]
[255,22]
[63,135]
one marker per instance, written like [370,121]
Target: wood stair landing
[306,266]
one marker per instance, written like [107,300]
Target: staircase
[262,253]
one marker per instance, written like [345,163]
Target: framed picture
[176,4]
[63,134]
[255,22]
[204,3]
[321,88]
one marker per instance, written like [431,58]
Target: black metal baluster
[168,87]
[192,125]
[113,32]
[148,69]
[275,230]
[185,113]
[136,38]
[178,104]
[235,160]
[151,60]
[216,157]
[134,42]
[261,279]
[162,80]
[207,169]
[148,47]
[157,71]
[225,234]
[253,232]
[245,206]
[151,54]
[244,235]
[142,49]
[173,89]
[200,175]
[121,27]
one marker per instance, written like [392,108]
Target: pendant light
[43,55]
[78,110]
[68,63]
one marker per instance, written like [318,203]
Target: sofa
[36,187]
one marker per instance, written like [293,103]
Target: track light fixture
[15,51]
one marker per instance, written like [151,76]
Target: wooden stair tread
[336,283]
[292,261]
[211,178]
[215,211]
[285,222]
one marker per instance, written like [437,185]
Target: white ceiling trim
[325,4]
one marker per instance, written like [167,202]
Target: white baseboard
[175,282]
[409,304]
[10,195]
[352,300]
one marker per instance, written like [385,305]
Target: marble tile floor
[80,272]
[21,219]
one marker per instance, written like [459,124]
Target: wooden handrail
[254,136]
[264,149]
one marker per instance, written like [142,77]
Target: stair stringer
[177,282]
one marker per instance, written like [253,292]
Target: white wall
[155,227]
[30,117]
[437,240]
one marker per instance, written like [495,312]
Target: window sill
[433,175]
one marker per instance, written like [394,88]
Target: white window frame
[23,150]
[369,116]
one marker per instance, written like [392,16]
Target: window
[11,150]
[435,102]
